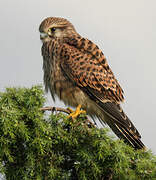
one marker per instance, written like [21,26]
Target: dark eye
[52,29]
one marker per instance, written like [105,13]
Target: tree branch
[55,109]
[65,111]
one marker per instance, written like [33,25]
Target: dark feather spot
[89,48]
[82,68]
[98,85]
[75,67]
[97,64]
[81,73]
[77,59]
[74,41]
[101,54]
[97,53]
[73,56]
[82,45]
[81,63]
[89,42]
[107,67]
[66,57]
[82,40]
[108,81]
[105,85]
[103,61]
[96,47]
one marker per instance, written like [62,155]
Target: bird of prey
[76,71]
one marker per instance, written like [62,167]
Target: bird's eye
[52,29]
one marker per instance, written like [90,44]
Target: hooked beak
[43,36]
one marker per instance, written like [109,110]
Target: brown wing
[88,67]
[84,63]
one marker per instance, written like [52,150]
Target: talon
[70,110]
[76,113]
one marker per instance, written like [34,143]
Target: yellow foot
[76,113]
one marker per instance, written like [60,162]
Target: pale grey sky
[124,30]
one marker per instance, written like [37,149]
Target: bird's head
[55,27]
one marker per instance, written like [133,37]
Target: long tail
[121,125]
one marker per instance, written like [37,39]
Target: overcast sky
[124,30]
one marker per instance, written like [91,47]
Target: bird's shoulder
[88,66]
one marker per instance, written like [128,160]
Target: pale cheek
[46,39]
[58,34]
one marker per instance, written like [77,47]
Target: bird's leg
[76,113]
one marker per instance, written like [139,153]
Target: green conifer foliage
[36,145]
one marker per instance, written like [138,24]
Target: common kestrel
[76,71]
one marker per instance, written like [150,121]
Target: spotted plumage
[76,71]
